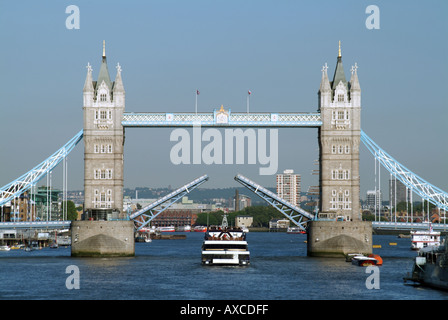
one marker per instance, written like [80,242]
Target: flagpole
[196,102]
[248,96]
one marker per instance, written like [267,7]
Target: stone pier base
[102,239]
[339,238]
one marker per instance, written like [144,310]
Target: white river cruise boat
[423,239]
[225,246]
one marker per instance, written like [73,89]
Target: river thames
[172,270]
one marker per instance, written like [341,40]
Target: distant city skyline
[168,50]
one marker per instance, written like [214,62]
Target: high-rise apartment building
[372,197]
[289,186]
[398,192]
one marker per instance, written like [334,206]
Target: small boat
[166,229]
[349,257]
[184,229]
[54,245]
[5,248]
[379,260]
[200,229]
[295,230]
[423,239]
[364,261]
[148,240]
[148,230]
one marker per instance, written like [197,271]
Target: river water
[171,270]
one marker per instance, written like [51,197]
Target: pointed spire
[104,72]
[88,84]
[325,83]
[339,74]
[354,82]
[118,85]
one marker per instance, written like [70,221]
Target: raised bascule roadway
[337,120]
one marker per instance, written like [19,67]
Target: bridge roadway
[36,225]
[407,226]
[377,225]
[228,119]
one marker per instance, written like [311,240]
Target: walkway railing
[36,225]
[227,119]
[406,226]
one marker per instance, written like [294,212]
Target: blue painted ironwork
[292,212]
[423,188]
[29,179]
[36,225]
[222,118]
[406,226]
[145,215]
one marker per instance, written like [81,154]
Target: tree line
[261,216]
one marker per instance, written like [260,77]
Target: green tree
[213,218]
[401,206]
[261,215]
[72,214]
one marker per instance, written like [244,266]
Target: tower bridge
[338,121]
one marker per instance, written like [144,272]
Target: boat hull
[431,268]
[166,229]
[225,259]
[364,261]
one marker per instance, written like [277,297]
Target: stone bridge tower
[339,138]
[339,229]
[100,233]
[104,103]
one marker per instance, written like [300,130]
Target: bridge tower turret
[103,106]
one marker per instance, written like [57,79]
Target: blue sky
[168,49]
